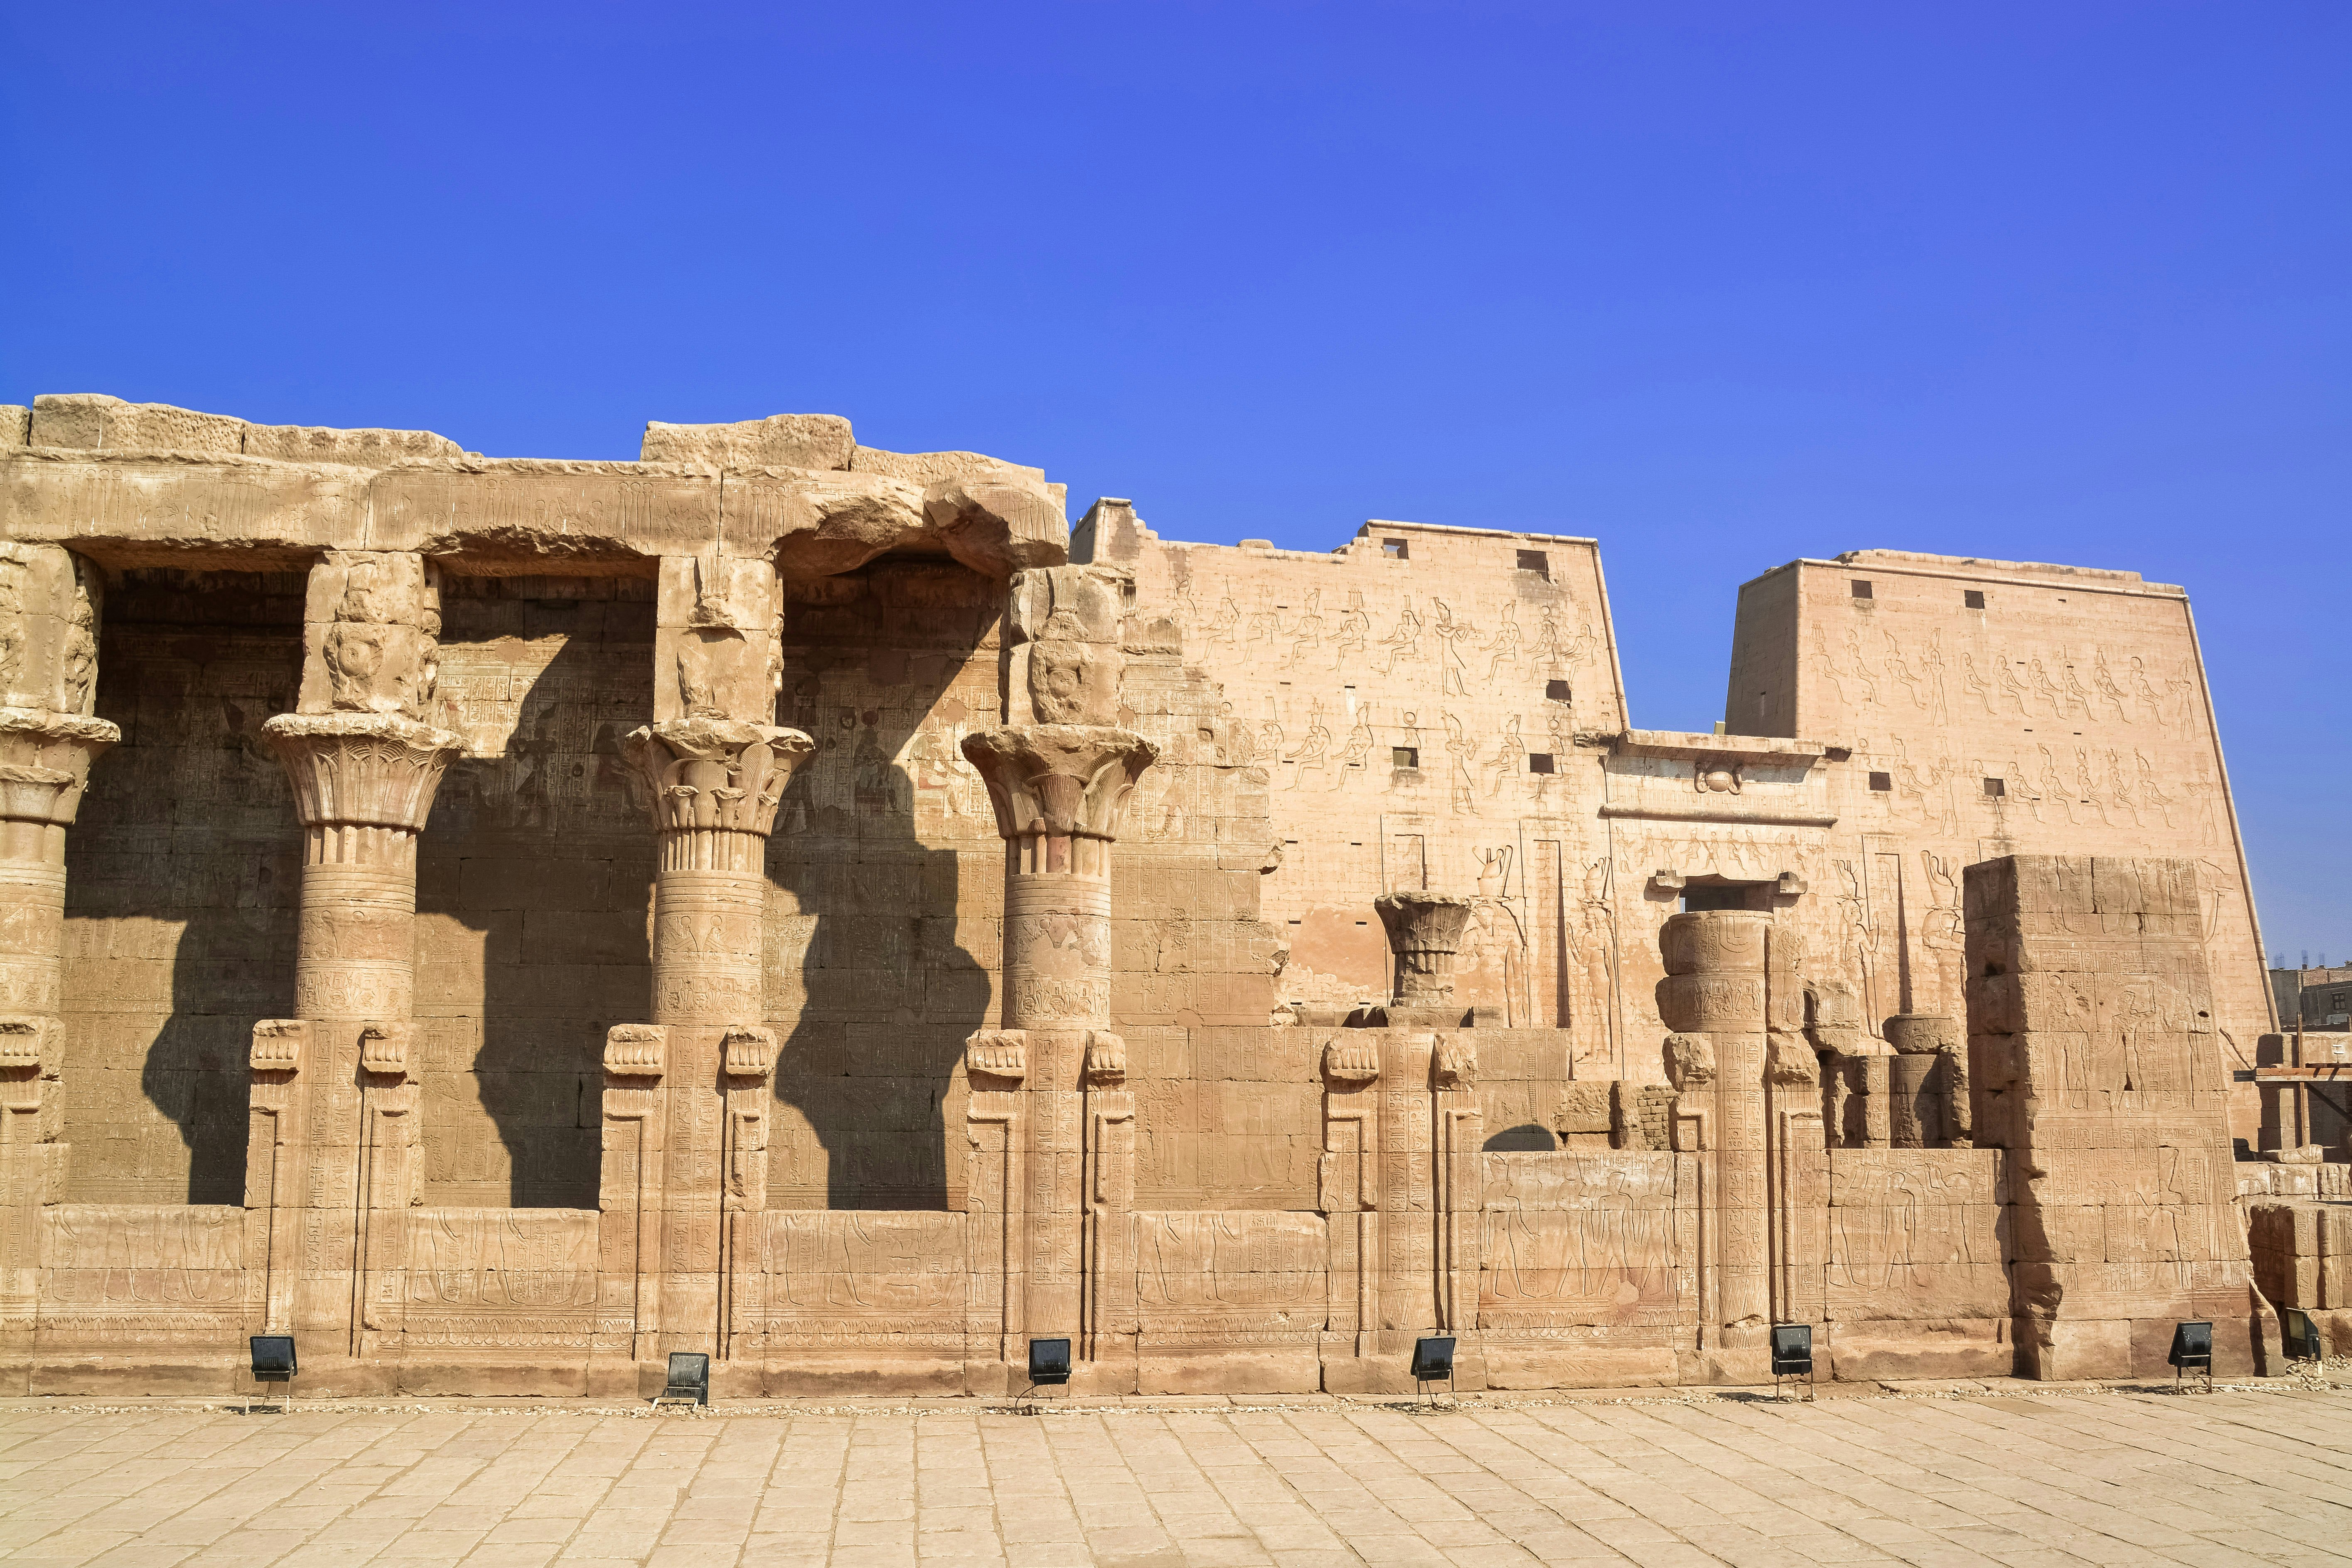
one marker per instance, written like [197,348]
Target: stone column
[1400,1184]
[50,603]
[336,1083]
[1713,996]
[685,1115]
[1051,1117]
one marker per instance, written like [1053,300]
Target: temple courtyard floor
[2018,1475]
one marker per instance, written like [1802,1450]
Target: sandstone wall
[849,942]
[2079,693]
[181,886]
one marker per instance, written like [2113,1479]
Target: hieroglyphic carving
[1577,1237]
[1218,1278]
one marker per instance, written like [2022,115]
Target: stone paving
[2233,1480]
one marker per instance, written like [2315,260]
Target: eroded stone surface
[528,917]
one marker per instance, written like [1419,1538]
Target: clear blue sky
[1720,284]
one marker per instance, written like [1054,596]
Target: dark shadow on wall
[868,983]
[534,879]
[183,882]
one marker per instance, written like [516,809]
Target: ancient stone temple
[505,921]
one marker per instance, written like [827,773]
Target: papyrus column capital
[361,781]
[1424,932]
[1060,791]
[44,759]
[716,783]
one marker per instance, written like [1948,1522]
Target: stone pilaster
[48,667]
[327,1197]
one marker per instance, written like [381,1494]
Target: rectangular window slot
[1405,757]
[1538,762]
[1537,562]
[1881,781]
[1974,598]
[1554,691]
[1393,549]
[1996,788]
[1861,587]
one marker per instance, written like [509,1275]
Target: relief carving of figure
[1306,637]
[1355,630]
[1358,749]
[1221,624]
[1510,756]
[1504,646]
[1975,681]
[1862,669]
[1460,748]
[2012,687]
[1901,670]
[380,650]
[1451,634]
[2103,681]
[1311,753]
[1405,641]
[2156,799]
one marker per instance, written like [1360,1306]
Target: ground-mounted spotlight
[273,1362]
[689,1381]
[1792,1354]
[1432,1362]
[2192,1350]
[1049,1363]
[2299,1335]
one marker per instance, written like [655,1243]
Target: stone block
[1237,1371]
[96,422]
[368,448]
[820,441]
[2077,1350]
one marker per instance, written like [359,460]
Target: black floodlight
[2192,1350]
[273,1358]
[1049,1361]
[273,1362]
[1793,1350]
[689,1379]
[2302,1338]
[1432,1359]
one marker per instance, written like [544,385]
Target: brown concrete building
[504,920]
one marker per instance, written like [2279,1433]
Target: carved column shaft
[1713,996]
[334,1087]
[48,668]
[1059,791]
[689,1243]
[344,1124]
